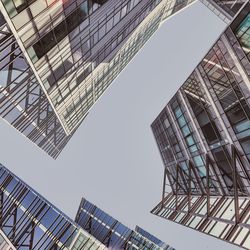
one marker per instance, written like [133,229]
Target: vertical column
[203,84]
[192,121]
[236,60]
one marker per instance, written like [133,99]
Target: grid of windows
[30,221]
[243,35]
[77,105]
[214,98]
[213,107]
[220,222]
[112,233]
[68,51]
[23,104]
[226,85]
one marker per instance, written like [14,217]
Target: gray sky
[112,159]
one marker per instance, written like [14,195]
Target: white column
[193,123]
[211,101]
[236,60]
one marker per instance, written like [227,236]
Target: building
[29,221]
[58,57]
[151,237]
[112,233]
[203,135]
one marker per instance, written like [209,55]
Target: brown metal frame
[240,202]
[37,120]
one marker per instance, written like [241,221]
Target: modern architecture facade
[203,135]
[112,233]
[28,221]
[58,57]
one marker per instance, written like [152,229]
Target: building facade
[203,135]
[58,57]
[112,233]
[28,221]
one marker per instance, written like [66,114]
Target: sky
[112,160]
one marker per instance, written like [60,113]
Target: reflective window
[60,31]
[243,35]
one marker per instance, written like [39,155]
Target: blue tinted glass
[243,34]
[178,112]
[193,149]
[190,140]
[198,161]
[182,121]
[202,171]
[185,130]
[243,126]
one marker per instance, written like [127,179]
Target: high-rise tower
[58,57]
[203,135]
[29,221]
[112,233]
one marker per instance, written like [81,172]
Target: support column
[210,99]
[236,60]
[192,121]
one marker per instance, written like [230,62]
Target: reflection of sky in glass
[109,231]
[33,214]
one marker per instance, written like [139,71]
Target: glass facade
[64,54]
[23,103]
[203,135]
[112,233]
[72,50]
[153,238]
[68,42]
[28,221]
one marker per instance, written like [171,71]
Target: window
[246,147]
[243,35]
[208,127]
[221,158]
[47,42]
[22,4]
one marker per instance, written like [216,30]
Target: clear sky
[112,159]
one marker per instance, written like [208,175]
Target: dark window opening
[245,143]
[221,158]
[22,4]
[208,127]
[99,1]
[211,133]
[239,113]
[47,42]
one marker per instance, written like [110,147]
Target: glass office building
[28,221]
[58,57]
[203,135]
[112,233]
